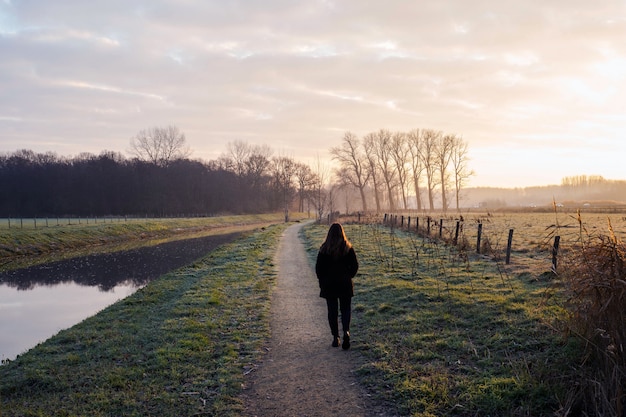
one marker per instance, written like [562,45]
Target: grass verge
[25,247]
[441,334]
[179,346]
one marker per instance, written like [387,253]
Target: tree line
[160,178]
[392,166]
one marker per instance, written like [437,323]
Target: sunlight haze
[537,89]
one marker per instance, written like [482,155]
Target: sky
[536,88]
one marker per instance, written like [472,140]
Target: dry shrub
[596,282]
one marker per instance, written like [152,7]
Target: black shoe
[336,341]
[346,341]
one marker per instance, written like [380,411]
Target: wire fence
[43,222]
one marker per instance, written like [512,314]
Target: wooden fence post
[478,237]
[555,252]
[428,226]
[440,228]
[456,233]
[508,247]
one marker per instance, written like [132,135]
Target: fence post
[440,228]
[428,226]
[508,247]
[385,219]
[402,221]
[417,225]
[408,223]
[555,252]
[480,232]
[456,233]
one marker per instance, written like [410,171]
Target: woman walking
[335,267]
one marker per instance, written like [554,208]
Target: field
[449,331]
[22,246]
[533,233]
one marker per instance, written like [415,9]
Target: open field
[446,334]
[27,246]
[533,233]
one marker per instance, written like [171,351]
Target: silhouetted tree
[160,145]
[352,165]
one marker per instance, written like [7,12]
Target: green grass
[23,247]
[177,347]
[440,335]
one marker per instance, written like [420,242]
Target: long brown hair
[336,243]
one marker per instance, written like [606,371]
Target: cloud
[92,74]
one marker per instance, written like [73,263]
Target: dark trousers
[334,304]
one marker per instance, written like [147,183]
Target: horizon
[128,156]
[535,89]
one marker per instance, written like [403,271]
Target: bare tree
[369,144]
[238,152]
[414,144]
[305,179]
[459,165]
[382,151]
[353,164]
[430,138]
[160,145]
[249,162]
[284,169]
[443,156]
[320,195]
[399,154]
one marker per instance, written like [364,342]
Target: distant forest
[41,185]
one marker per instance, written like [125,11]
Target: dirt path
[302,375]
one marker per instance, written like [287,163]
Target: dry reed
[595,281]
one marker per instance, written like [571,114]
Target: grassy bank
[442,334]
[21,247]
[177,347]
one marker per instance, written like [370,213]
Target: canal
[39,301]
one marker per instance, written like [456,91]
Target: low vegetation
[595,286]
[26,246]
[442,334]
[177,347]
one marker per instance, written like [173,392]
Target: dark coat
[335,275]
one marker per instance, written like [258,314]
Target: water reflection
[37,302]
[30,317]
